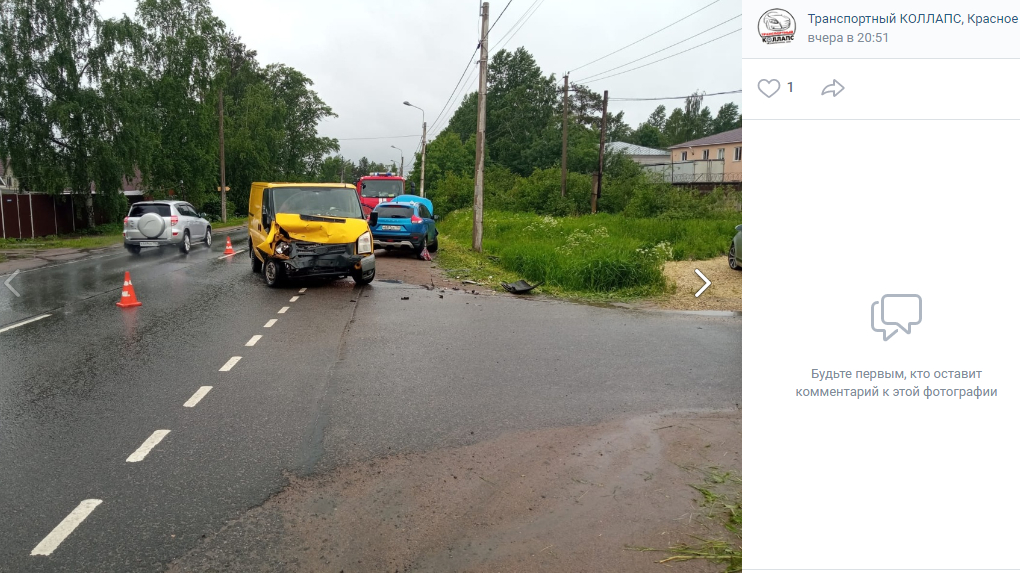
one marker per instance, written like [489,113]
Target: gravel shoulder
[563,499]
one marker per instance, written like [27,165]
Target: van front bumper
[327,265]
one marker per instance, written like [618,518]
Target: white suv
[159,223]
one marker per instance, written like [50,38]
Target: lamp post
[401,159]
[421,187]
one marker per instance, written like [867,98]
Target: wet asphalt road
[345,374]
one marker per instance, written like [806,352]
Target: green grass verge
[230,222]
[605,256]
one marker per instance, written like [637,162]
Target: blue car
[405,221]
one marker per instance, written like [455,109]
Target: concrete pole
[483,71]
[223,167]
[563,161]
[421,188]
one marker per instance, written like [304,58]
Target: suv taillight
[415,219]
[125,221]
[173,220]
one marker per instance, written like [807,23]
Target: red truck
[376,188]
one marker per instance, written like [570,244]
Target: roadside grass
[721,498]
[102,236]
[600,256]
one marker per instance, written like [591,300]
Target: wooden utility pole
[223,167]
[483,71]
[563,161]
[602,153]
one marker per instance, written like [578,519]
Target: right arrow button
[708,283]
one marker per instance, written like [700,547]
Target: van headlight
[365,243]
[284,248]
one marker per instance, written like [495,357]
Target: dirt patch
[565,499]
[724,294]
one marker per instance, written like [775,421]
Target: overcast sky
[368,56]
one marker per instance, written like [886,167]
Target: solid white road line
[294,298]
[146,447]
[270,323]
[65,527]
[302,291]
[23,323]
[283,310]
[253,340]
[237,252]
[197,396]
[230,364]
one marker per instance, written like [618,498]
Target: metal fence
[705,171]
[32,215]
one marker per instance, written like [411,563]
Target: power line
[646,37]
[501,15]
[519,24]
[671,97]
[418,135]
[662,50]
[456,86]
[670,56]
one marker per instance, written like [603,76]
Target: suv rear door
[131,230]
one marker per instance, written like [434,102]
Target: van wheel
[362,278]
[186,243]
[256,264]
[272,271]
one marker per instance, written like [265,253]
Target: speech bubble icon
[886,335]
[902,310]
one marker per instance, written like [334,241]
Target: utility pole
[223,167]
[421,189]
[563,166]
[602,153]
[483,78]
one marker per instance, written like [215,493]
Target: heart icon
[768,87]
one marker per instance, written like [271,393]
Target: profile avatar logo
[776,27]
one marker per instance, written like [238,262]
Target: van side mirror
[373,219]
[265,217]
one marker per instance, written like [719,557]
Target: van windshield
[381,188]
[340,202]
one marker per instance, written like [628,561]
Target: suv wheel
[186,243]
[134,249]
[731,257]
[208,237]
[272,271]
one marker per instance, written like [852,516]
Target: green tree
[70,107]
[180,50]
[521,105]
[727,119]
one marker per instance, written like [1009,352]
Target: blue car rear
[405,222]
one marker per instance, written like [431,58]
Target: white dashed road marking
[23,323]
[253,340]
[270,323]
[230,364]
[65,527]
[283,310]
[302,291]
[197,396]
[146,447]
[294,298]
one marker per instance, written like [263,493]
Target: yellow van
[309,230]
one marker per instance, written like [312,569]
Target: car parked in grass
[161,223]
[735,256]
[407,221]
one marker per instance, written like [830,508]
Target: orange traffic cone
[230,249]
[127,294]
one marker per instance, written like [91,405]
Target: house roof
[732,136]
[631,149]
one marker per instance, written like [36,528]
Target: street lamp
[401,159]
[421,187]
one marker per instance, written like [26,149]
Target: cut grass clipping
[593,253]
[721,499]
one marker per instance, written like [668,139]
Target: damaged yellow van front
[309,230]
